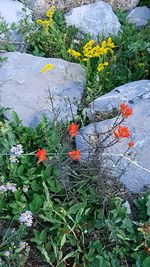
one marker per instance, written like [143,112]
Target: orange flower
[131,144]
[122,132]
[41,155]
[73,129]
[123,107]
[74,154]
[125,110]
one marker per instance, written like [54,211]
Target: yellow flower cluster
[47,22]
[47,67]
[102,66]
[141,65]
[90,50]
[74,53]
[50,12]
[44,23]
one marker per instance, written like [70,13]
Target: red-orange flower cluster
[121,132]
[73,129]
[75,154]
[41,155]
[125,110]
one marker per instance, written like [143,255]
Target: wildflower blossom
[8,187]
[3,188]
[25,189]
[13,159]
[47,67]
[17,150]
[26,218]
[23,245]
[110,43]
[7,253]
[102,66]
[50,12]
[44,23]
[141,64]
[74,154]
[11,187]
[41,155]
[121,132]
[125,110]
[130,144]
[73,129]
[74,53]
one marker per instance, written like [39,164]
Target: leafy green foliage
[70,226]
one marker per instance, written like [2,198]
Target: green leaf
[35,186]
[36,203]
[42,235]
[69,255]
[15,118]
[146,262]
[20,170]
[148,206]
[77,207]
[63,240]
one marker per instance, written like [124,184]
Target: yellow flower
[74,53]
[44,23]
[102,66]
[141,64]
[39,21]
[105,63]
[110,43]
[104,44]
[50,12]
[47,67]
[85,59]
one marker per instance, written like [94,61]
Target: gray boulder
[136,174]
[96,19]
[130,93]
[11,12]
[139,16]
[30,93]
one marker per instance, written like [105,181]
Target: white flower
[25,189]
[13,159]
[26,218]
[7,253]
[16,150]
[3,188]
[23,245]
[8,187]
[11,187]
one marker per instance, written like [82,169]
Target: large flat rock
[96,19]
[134,175]
[30,93]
